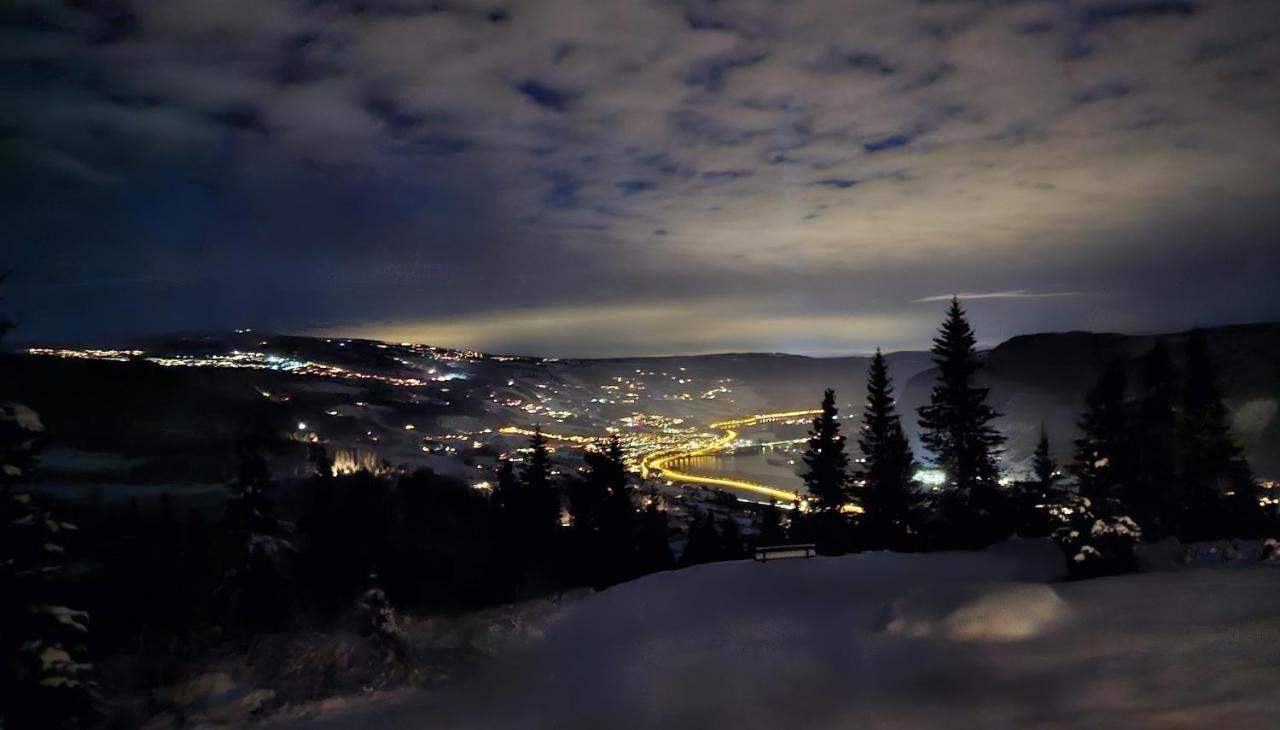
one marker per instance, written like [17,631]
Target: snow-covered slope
[977,640]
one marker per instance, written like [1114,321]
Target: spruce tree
[509,552]
[653,546]
[1093,525]
[703,543]
[1157,494]
[731,547]
[888,464]
[1034,497]
[768,527]
[828,465]
[506,495]
[604,516]
[540,508]
[44,678]
[1103,452]
[618,517]
[541,500]
[257,586]
[1042,463]
[321,464]
[956,428]
[1222,495]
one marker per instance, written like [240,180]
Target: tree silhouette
[731,546]
[45,680]
[827,479]
[258,590]
[1033,498]
[768,527]
[1156,494]
[1222,495]
[956,428]
[509,558]
[888,464]
[618,518]
[541,502]
[703,545]
[653,547]
[1094,526]
[604,517]
[828,465]
[539,516]
[1103,452]
[1042,463]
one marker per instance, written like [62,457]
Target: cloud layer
[358,165]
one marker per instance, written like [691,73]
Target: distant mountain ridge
[1034,379]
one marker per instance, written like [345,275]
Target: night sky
[590,177]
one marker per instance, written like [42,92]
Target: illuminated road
[656,463]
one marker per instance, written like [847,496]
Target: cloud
[535,149]
[681,327]
[544,95]
[1013,294]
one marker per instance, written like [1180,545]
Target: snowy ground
[884,641]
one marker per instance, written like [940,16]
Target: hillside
[177,423]
[883,640]
[1044,377]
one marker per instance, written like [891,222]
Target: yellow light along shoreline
[656,463]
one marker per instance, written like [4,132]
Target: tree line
[1154,459]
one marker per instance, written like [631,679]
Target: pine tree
[541,502]
[258,588]
[509,556]
[1103,453]
[618,518]
[1042,463]
[1093,525]
[1222,495]
[828,474]
[703,544]
[604,517]
[44,678]
[506,494]
[956,428]
[731,547]
[1034,497]
[321,464]
[1157,495]
[889,465]
[653,546]
[768,527]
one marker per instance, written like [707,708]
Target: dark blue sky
[586,177]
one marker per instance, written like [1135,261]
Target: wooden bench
[784,552]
